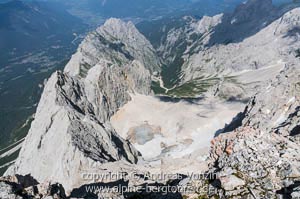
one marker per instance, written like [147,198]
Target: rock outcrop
[261,158]
[67,135]
[117,42]
[19,187]
[71,130]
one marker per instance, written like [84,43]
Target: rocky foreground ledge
[17,187]
[260,159]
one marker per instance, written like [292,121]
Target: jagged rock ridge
[117,42]
[71,130]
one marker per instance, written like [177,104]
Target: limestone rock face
[263,163]
[18,187]
[231,182]
[276,107]
[6,191]
[68,135]
[264,152]
[262,52]
[113,84]
[206,24]
[72,131]
[117,42]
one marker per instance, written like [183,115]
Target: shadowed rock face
[19,187]
[245,21]
[13,188]
[253,9]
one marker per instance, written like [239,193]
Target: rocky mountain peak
[73,115]
[206,23]
[115,25]
[117,42]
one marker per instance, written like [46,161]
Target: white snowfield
[180,130]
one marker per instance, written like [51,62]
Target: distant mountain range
[94,12]
[137,10]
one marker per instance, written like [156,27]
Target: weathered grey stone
[117,42]
[231,182]
[261,153]
[71,130]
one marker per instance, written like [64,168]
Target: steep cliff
[71,130]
